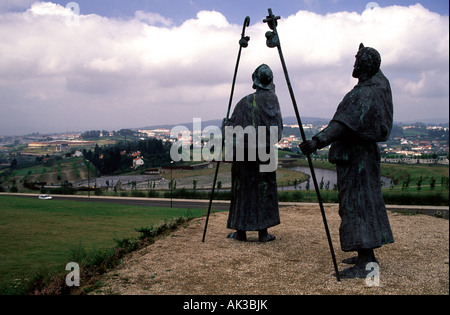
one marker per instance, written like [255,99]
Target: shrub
[423,198]
[153,194]
[137,193]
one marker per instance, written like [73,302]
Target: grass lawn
[37,234]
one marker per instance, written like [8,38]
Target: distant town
[417,143]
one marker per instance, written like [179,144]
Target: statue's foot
[355,260]
[239,236]
[353,272]
[267,238]
[264,236]
[351,260]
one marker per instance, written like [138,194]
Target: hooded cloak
[363,118]
[254,195]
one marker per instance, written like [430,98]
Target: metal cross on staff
[274,41]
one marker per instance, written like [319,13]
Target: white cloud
[110,73]
[48,9]
[109,65]
[152,18]
[432,83]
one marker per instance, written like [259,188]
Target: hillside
[291,120]
[50,173]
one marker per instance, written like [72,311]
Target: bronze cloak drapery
[363,118]
[254,195]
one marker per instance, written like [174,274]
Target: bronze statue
[254,196]
[363,118]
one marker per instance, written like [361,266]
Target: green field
[52,173]
[398,172]
[40,234]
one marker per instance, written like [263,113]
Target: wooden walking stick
[274,41]
[243,42]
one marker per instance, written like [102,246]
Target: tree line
[118,158]
[96,134]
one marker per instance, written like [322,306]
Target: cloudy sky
[124,64]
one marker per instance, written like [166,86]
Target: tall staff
[274,41]
[243,42]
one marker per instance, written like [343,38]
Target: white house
[138,161]
[78,153]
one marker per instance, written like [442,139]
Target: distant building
[138,161]
[152,171]
[408,160]
[61,143]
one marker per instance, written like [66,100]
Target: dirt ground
[297,262]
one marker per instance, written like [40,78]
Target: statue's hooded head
[367,62]
[263,78]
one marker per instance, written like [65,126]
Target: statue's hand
[308,147]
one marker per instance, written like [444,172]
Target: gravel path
[297,262]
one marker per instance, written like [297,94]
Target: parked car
[45,197]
